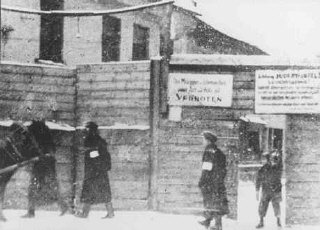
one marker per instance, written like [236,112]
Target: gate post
[154,132]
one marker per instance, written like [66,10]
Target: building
[124,35]
[191,34]
[132,34]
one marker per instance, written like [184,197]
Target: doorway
[258,134]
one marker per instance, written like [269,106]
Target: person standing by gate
[96,186]
[269,180]
[212,182]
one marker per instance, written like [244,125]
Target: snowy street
[130,220]
[122,221]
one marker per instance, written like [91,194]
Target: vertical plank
[154,124]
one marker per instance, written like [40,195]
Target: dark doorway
[140,49]
[111,39]
[51,32]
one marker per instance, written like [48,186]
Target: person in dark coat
[96,186]
[212,182]
[269,181]
[44,188]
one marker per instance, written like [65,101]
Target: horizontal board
[144,85]
[115,67]
[243,85]
[37,70]
[121,102]
[213,113]
[243,94]
[243,104]
[115,94]
[114,76]
[110,121]
[36,105]
[218,128]
[244,76]
[36,79]
[42,96]
[37,88]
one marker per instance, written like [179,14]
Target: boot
[205,223]
[30,214]
[110,211]
[261,224]
[64,210]
[279,222]
[218,223]
[63,207]
[85,211]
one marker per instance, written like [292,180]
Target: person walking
[96,186]
[44,187]
[212,182]
[269,181]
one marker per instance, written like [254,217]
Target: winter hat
[91,125]
[210,136]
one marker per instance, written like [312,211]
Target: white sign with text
[200,89]
[287,91]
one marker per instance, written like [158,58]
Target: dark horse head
[22,142]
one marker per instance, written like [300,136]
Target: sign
[287,91]
[200,89]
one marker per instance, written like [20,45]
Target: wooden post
[167,50]
[74,147]
[154,127]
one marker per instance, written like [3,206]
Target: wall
[180,144]
[34,91]
[114,93]
[116,96]
[23,43]
[303,166]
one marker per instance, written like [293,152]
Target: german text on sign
[200,89]
[287,91]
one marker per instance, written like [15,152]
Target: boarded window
[111,39]
[140,49]
[51,32]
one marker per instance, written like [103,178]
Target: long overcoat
[44,187]
[212,181]
[96,185]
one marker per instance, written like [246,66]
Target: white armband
[94,154]
[207,166]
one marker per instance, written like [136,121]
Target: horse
[20,145]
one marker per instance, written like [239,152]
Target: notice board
[200,89]
[287,91]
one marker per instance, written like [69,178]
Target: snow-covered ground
[122,221]
[45,220]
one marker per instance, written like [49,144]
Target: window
[140,49]
[111,39]
[51,32]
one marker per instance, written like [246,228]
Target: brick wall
[303,169]
[29,91]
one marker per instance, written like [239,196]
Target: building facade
[133,35]
[124,36]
